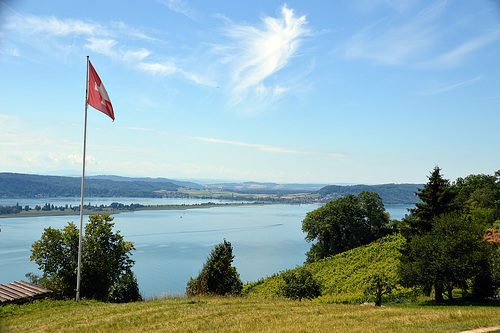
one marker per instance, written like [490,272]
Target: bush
[217,275]
[300,283]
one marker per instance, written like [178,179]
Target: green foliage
[344,224]
[378,286]
[437,198]
[344,277]
[299,284]
[217,275]
[106,256]
[125,289]
[479,197]
[56,255]
[445,247]
[105,259]
[448,256]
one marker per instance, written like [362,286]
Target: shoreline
[112,211]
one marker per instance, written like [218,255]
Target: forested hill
[390,193]
[15,185]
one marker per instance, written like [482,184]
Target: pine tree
[437,198]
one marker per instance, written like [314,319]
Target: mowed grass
[240,314]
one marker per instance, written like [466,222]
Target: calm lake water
[172,245]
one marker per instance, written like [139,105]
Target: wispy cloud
[179,6]
[247,66]
[451,87]
[97,38]
[52,26]
[166,69]
[261,147]
[456,56]
[132,32]
[257,52]
[420,40]
[108,47]
[394,42]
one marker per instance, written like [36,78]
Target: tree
[379,285]
[56,255]
[345,223]
[452,253]
[299,284]
[437,198]
[217,275]
[479,197]
[125,289]
[105,258]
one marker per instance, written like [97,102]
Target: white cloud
[50,25]
[258,146]
[102,46]
[259,52]
[451,87]
[132,32]
[457,55]
[394,42]
[424,40]
[160,69]
[267,148]
[179,6]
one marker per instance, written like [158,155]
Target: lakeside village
[114,207]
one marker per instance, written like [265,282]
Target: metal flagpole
[78,274]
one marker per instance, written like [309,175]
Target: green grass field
[240,314]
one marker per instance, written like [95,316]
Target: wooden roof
[21,291]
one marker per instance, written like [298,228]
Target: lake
[172,245]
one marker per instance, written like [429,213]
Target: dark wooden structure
[20,292]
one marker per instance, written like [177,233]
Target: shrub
[217,275]
[300,283]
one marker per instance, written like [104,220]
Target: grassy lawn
[240,314]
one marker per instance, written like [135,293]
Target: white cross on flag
[98,96]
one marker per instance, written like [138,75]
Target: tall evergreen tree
[437,198]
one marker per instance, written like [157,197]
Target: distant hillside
[390,193]
[343,276]
[15,185]
[265,188]
[148,180]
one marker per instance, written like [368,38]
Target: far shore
[111,211]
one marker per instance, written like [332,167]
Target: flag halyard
[97,95]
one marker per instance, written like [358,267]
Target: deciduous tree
[105,259]
[452,253]
[345,223]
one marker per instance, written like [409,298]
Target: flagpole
[78,275]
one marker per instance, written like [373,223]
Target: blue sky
[355,91]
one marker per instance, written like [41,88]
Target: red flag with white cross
[98,96]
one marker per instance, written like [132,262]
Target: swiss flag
[98,96]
